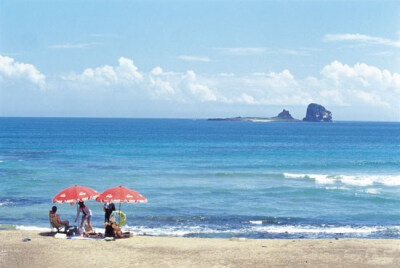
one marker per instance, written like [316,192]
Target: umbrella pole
[119,211]
[77,208]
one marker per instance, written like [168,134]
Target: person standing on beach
[108,209]
[87,215]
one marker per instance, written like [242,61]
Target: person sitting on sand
[55,218]
[117,231]
[109,231]
[108,209]
[87,215]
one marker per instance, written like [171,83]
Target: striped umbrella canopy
[75,193]
[121,194]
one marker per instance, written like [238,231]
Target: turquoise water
[207,178]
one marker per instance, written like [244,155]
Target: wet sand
[145,251]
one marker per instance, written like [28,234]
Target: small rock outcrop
[317,113]
[285,115]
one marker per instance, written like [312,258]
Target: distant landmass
[315,113]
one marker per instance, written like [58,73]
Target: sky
[199,59]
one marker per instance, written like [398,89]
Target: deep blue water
[207,178]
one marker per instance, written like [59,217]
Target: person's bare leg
[119,234]
[117,231]
[89,222]
[83,220]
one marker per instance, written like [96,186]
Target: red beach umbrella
[121,194]
[75,193]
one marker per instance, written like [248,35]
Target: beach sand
[146,251]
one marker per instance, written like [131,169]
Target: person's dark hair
[81,204]
[112,206]
[54,209]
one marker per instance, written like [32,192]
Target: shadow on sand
[47,234]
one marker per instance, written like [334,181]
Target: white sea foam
[180,231]
[372,191]
[357,181]
[290,229]
[256,222]
[31,228]
[6,203]
[390,180]
[322,179]
[294,176]
[275,229]
[319,178]
[342,188]
[367,180]
[352,180]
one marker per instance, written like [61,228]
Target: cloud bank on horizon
[337,84]
[199,59]
[13,71]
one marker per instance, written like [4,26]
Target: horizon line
[168,118]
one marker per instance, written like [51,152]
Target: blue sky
[199,59]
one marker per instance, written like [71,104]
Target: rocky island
[315,113]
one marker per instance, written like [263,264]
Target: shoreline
[151,251]
[285,232]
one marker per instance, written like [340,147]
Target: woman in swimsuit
[87,215]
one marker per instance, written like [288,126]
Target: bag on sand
[72,231]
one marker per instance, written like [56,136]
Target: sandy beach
[146,251]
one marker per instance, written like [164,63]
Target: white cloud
[203,92]
[124,74]
[73,46]
[226,74]
[194,58]
[127,69]
[157,71]
[370,98]
[156,84]
[248,51]
[242,51]
[292,52]
[109,87]
[246,99]
[260,74]
[338,84]
[362,75]
[382,54]
[361,38]
[13,70]
[104,35]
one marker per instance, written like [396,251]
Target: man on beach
[55,218]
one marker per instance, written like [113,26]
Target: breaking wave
[353,180]
[258,230]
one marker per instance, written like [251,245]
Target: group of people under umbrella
[114,219]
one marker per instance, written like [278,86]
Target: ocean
[207,178]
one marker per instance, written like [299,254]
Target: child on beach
[87,215]
[55,218]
